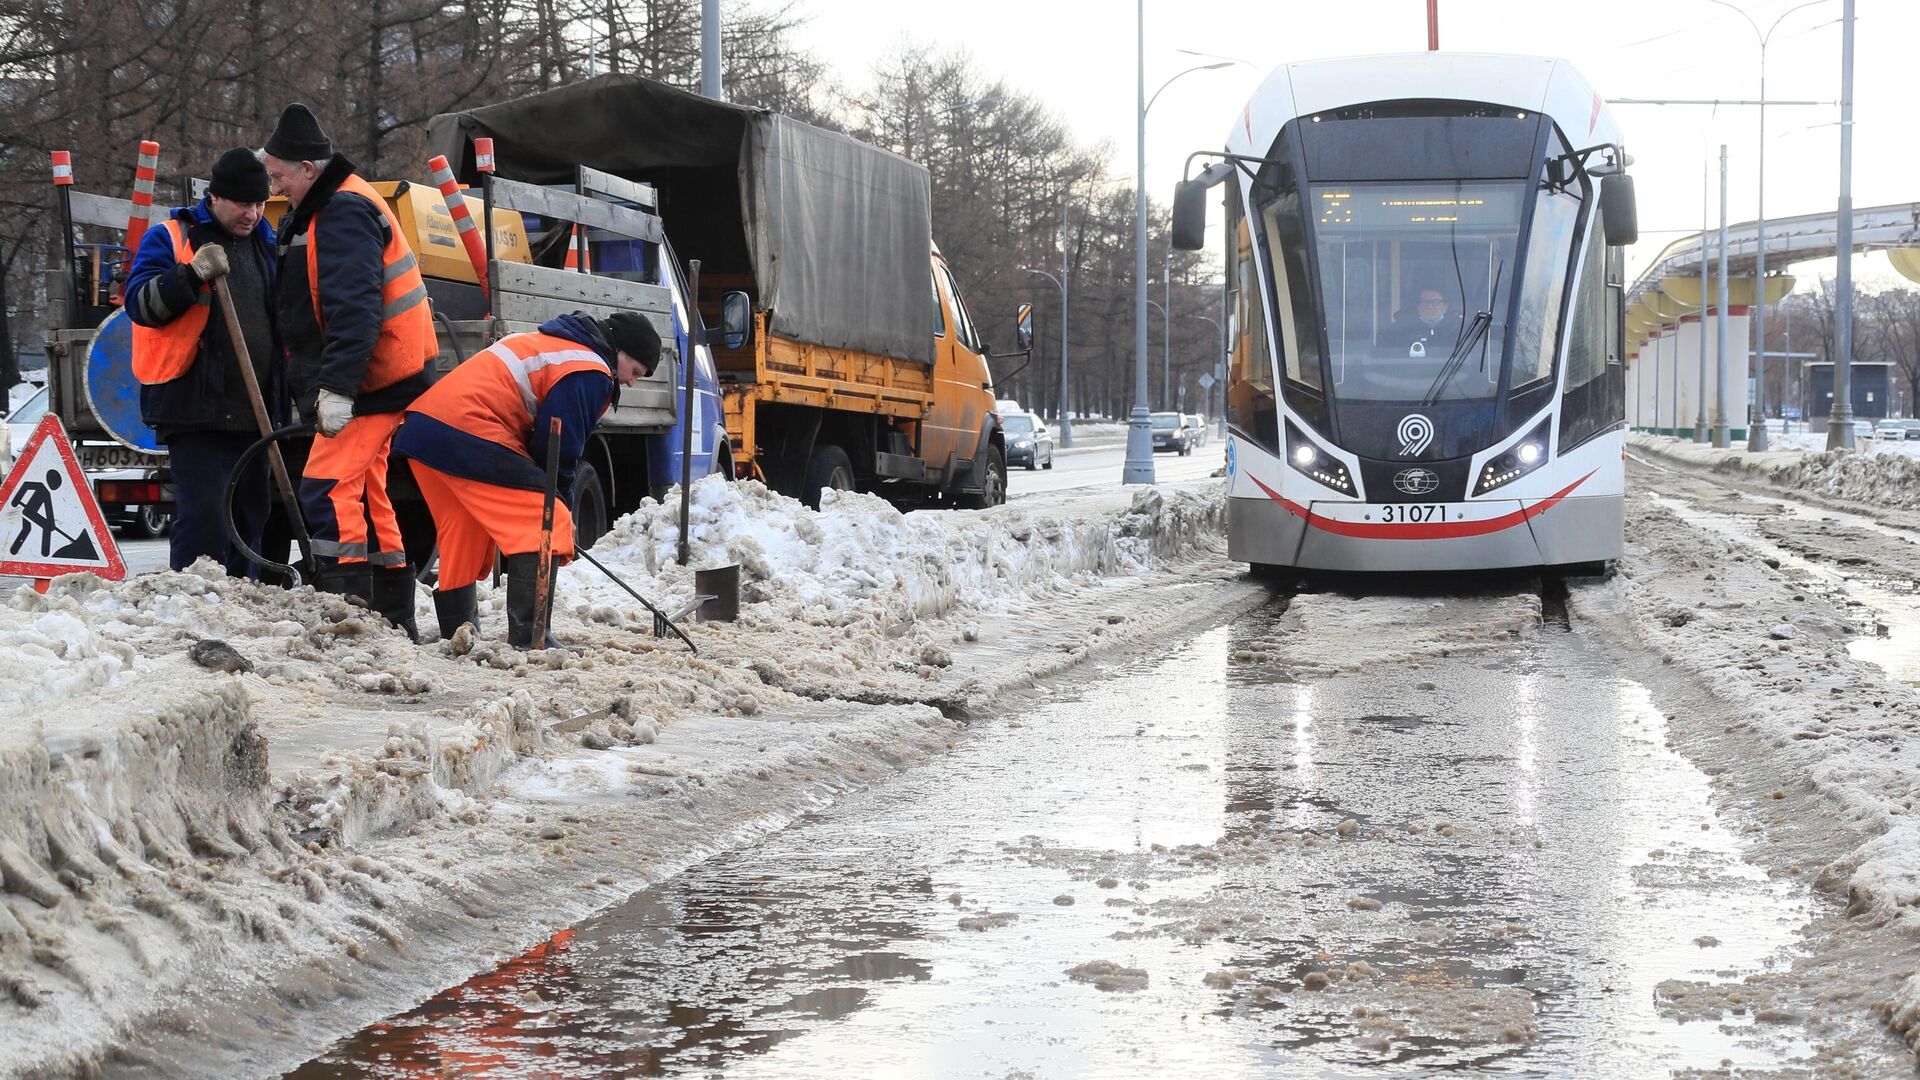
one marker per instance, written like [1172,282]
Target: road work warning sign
[50,523]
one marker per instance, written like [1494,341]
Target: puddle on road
[1346,875]
[1894,604]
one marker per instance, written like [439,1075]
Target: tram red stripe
[1429,530]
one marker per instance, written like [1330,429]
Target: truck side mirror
[1619,210]
[1190,215]
[736,320]
[1023,326]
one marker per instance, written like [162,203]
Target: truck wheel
[829,467]
[148,521]
[589,506]
[993,486]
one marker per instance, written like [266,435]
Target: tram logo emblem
[1416,481]
[1415,434]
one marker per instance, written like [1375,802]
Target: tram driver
[1430,327]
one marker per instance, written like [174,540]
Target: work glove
[334,410]
[210,262]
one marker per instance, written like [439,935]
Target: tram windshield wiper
[1476,329]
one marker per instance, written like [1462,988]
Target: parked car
[1862,429]
[20,424]
[1912,430]
[1170,433]
[1196,428]
[1029,442]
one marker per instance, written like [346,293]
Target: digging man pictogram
[35,500]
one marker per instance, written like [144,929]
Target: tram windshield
[1415,277]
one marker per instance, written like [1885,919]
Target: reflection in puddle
[1483,866]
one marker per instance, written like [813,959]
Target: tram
[1426,294]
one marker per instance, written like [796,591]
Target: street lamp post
[1066,426]
[1757,429]
[1840,417]
[1139,464]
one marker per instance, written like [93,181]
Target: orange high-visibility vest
[495,394]
[164,353]
[407,340]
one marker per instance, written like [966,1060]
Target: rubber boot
[392,596]
[351,580]
[523,576]
[456,608]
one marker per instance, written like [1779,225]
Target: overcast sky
[1078,55]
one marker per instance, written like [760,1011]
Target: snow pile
[49,656]
[1886,476]
[858,553]
[1886,479]
[237,783]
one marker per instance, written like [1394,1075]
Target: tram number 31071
[1413,512]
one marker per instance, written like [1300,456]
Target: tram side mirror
[1619,210]
[1190,215]
[1023,327]
[736,320]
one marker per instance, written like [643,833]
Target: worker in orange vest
[352,309]
[191,390]
[477,444]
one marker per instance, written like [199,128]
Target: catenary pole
[1700,387]
[1722,438]
[710,49]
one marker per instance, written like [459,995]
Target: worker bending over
[352,309]
[477,444]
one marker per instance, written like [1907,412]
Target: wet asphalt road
[1202,863]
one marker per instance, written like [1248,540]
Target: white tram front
[1424,265]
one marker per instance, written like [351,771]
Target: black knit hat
[239,176]
[634,335]
[297,137]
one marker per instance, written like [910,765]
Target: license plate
[101,456]
[1413,513]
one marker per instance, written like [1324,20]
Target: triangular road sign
[50,523]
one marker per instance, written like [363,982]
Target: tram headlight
[1515,462]
[1309,460]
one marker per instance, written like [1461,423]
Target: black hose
[294,517]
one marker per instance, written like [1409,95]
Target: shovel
[278,464]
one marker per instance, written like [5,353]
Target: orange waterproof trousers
[477,519]
[343,494]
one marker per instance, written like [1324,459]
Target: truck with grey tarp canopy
[850,359]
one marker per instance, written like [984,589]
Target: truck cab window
[939,313]
[962,322]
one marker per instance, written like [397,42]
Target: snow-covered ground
[1786,583]
[219,796]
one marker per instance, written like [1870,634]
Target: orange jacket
[478,423]
[406,340]
[164,353]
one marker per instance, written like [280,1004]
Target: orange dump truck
[845,355]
